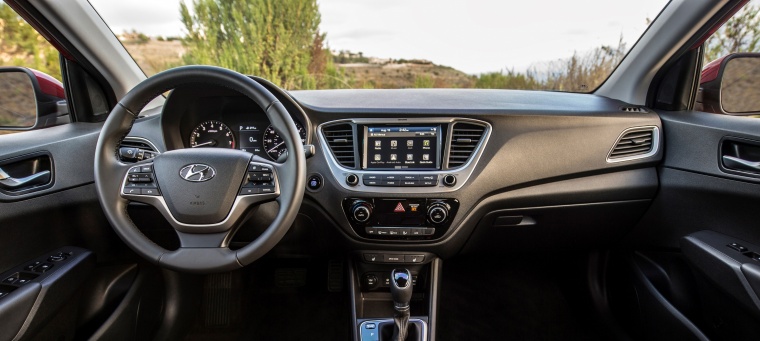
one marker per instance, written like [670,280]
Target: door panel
[705,203]
[61,212]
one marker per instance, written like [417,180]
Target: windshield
[334,44]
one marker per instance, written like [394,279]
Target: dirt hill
[155,55]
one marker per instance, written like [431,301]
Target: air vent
[633,109]
[134,149]
[340,138]
[634,143]
[464,139]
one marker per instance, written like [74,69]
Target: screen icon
[409,157]
[394,143]
[378,143]
[394,157]
[410,143]
[426,157]
[426,143]
[377,157]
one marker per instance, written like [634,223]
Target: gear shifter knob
[401,289]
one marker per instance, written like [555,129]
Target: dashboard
[438,170]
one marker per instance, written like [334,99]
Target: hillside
[155,55]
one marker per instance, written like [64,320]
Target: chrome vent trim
[635,143]
[341,139]
[465,138]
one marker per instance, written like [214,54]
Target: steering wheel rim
[193,256]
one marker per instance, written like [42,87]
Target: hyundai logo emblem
[197,172]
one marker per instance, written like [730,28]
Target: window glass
[327,44]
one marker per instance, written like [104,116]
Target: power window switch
[23,281]
[31,266]
[10,280]
[738,247]
[43,267]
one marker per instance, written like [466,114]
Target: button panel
[403,219]
[400,180]
[260,180]
[141,181]
[33,271]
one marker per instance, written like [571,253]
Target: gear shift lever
[401,290]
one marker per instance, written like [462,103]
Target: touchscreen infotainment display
[402,147]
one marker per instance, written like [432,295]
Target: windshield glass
[331,44]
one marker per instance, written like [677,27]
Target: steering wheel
[204,193]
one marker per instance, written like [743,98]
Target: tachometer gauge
[274,145]
[212,134]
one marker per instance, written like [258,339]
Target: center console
[400,176]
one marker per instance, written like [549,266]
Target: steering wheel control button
[352,180]
[149,191]
[314,182]
[449,180]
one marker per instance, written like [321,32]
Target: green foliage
[274,39]
[741,33]
[21,45]
[510,80]
[579,73]
[424,82]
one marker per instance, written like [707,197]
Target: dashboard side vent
[341,139]
[634,142]
[134,150]
[633,109]
[465,137]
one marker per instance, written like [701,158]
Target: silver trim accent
[242,201]
[377,324]
[462,173]
[191,171]
[655,144]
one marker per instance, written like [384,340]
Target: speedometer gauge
[274,145]
[212,134]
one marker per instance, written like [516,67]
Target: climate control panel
[400,219]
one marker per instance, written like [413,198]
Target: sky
[474,36]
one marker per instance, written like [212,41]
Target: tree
[21,45]
[741,33]
[275,39]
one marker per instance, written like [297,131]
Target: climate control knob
[438,213]
[361,211]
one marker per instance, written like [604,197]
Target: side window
[31,92]
[730,79]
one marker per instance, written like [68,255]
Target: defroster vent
[342,141]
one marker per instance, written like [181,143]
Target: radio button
[372,182]
[391,183]
[366,177]
[410,177]
[418,231]
[427,183]
[409,183]
[392,177]
[432,177]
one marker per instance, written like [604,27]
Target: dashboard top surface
[465,100]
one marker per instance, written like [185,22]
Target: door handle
[741,164]
[10,183]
